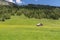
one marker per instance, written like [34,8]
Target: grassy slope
[22,28]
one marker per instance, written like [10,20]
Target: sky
[43,2]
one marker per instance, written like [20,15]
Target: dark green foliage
[6,16]
[30,11]
[3,19]
[18,12]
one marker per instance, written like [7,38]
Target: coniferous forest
[30,11]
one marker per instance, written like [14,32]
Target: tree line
[30,11]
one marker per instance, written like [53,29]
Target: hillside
[30,11]
[20,22]
[23,28]
[3,2]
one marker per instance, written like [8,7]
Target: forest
[30,11]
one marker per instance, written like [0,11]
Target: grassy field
[22,28]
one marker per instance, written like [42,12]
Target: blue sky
[44,2]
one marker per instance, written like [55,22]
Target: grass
[22,28]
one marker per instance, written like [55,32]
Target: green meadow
[23,28]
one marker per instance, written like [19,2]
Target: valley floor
[21,28]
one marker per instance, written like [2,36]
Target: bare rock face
[39,24]
[3,2]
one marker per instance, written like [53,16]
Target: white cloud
[9,0]
[18,1]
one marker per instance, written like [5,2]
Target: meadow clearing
[22,28]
